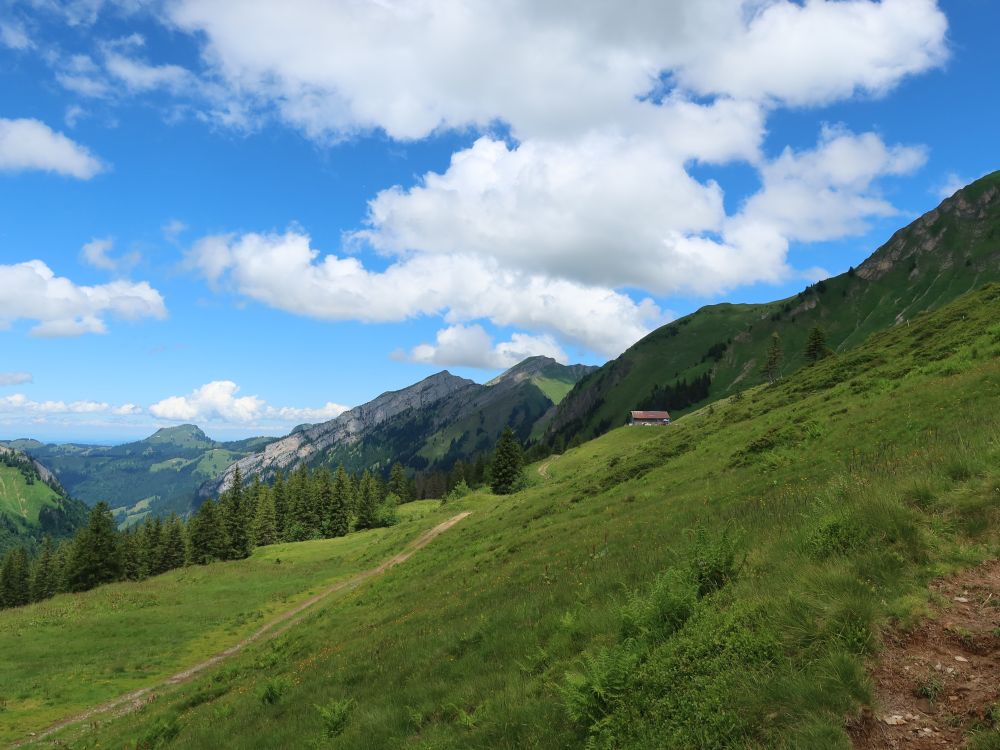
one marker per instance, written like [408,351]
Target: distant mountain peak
[182,433]
[526,368]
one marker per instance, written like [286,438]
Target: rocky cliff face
[303,445]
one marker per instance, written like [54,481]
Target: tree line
[305,504]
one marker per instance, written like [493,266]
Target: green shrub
[603,680]
[713,561]
[272,691]
[659,613]
[335,716]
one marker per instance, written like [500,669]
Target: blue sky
[254,215]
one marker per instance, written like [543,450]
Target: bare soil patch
[939,682]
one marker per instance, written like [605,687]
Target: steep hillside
[158,475]
[32,502]
[429,424]
[720,348]
[716,583]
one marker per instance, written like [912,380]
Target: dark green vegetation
[311,505]
[158,475]
[32,503]
[945,253]
[717,583]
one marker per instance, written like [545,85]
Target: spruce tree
[816,348]
[173,554]
[772,363]
[96,557]
[322,498]
[15,588]
[207,535]
[505,473]
[44,582]
[133,562]
[235,518]
[280,506]
[265,527]
[399,484]
[151,547]
[368,502]
[340,513]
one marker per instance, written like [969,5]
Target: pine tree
[399,484]
[505,473]
[368,502]
[44,582]
[280,506]
[207,535]
[816,348]
[772,364]
[61,563]
[343,501]
[174,553]
[97,552]
[151,547]
[15,588]
[133,565]
[265,527]
[235,518]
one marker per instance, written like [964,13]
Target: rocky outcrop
[349,427]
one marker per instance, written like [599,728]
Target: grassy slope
[125,636]
[22,501]
[21,506]
[845,488]
[937,258]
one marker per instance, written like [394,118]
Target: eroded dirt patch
[936,685]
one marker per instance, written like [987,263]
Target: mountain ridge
[719,349]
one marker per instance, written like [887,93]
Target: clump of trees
[304,504]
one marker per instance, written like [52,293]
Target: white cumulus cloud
[218,402]
[59,307]
[285,272]
[472,346]
[27,144]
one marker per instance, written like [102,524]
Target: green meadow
[63,655]
[718,583]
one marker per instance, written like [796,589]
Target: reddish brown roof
[650,415]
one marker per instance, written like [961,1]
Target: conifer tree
[173,554]
[505,472]
[265,527]
[772,363]
[399,484]
[340,513]
[44,582]
[207,535]
[457,475]
[151,547]
[368,502]
[816,348]
[133,563]
[61,563]
[15,588]
[96,557]
[235,518]
[280,506]
[322,498]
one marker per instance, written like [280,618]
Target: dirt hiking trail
[137,698]
[937,684]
